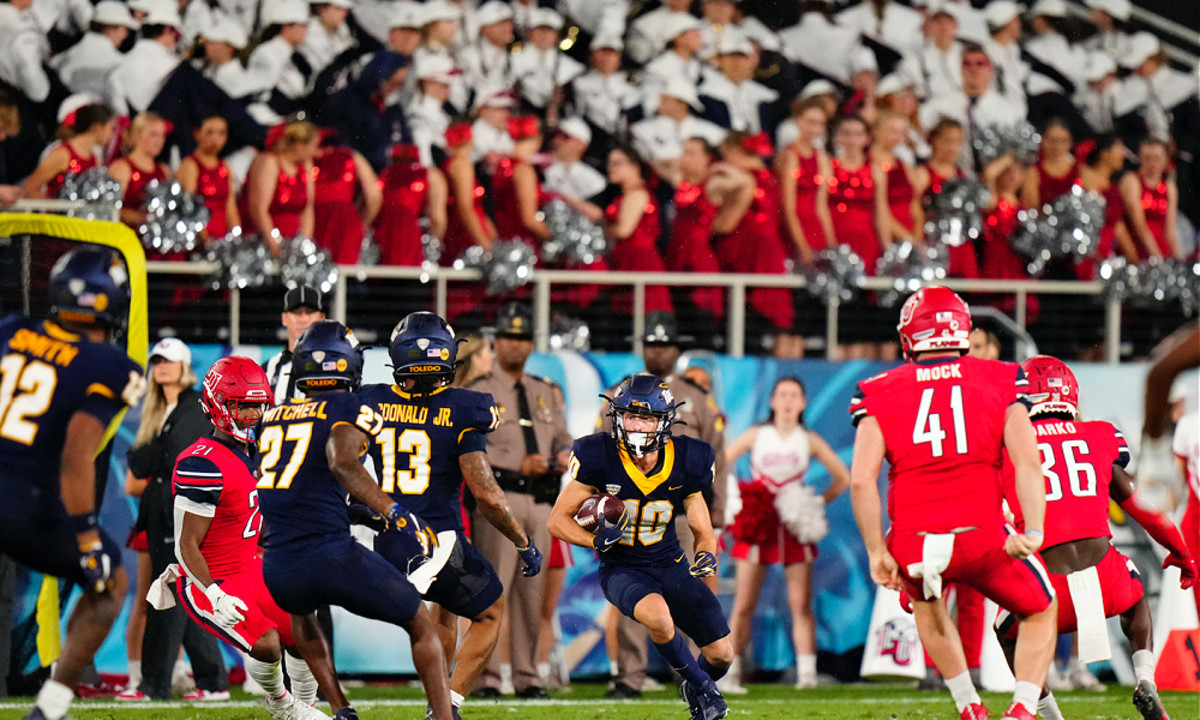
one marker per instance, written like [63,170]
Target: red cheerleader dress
[398,225]
[756,246]
[77,164]
[463,298]
[1000,261]
[900,194]
[508,208]
[1154,206]
[852,205]
[1052,187]
[337,226]
[214,185]
[1114,211]
[963,259]
[808,184]
[638,253]
[287,204]
[691,249]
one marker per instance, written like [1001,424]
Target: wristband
[85,522]
[528,546]
[1039,533]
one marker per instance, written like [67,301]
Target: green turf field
[586,702]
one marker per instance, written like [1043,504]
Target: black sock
[714,672]
[675,652]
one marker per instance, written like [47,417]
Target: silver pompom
[431,249]
[1120,278]
[1189,294]
[303,262]
[510,265]
[369,253]
[473,258]
[994,141]
[573,238]
[95,188]
[1068,227]
[911,267]
[836,272]
[174,218]
[242,262]
[570,334]
[955,215]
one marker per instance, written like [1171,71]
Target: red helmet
[230,384]
[1052,386]
[934,318]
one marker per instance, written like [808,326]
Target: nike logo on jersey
[673,488]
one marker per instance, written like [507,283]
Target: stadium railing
[440,281]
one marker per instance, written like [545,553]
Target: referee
[302,306]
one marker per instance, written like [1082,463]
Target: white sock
[613,668]
[304,685]
[806,666]
[735,671]
[963,690]
[54,699]
[1027,694]
[455,699]
[269,676]
[1143,666]
[543,670]
[135,675]
[1048,708]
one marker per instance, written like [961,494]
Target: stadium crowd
[705,136]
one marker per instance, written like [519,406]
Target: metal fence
[438,283]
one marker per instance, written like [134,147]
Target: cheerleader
[946,139]
[633,222]
[802,169]
[904,207]
[204,173]
[1103,160]
[697,217]
[277,199]
[139,167]
[411,191]
[467,222]
[516,188]
[1152,201]
[1004,178]
[781,450]
[1056,170]
[82,131]
[346,201]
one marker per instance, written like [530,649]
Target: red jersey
[943,425]
[1077,463]
[215,480]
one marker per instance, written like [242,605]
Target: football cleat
[705,703]
[37,714]
[199,695]
[346,713]
[1145,699]
[974,711]
[429,713]
[132,695]
[1017,711]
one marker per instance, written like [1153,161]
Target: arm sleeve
[1021,387]
[483,419]
[198,485]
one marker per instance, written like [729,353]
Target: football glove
[362,515]
[407,522]
[705,565]
[1187,569]
[532,557]
[97,566]
[608,534]
[227,609]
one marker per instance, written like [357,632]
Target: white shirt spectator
[1012,72]
[485,65]
[577,180]
[743,100]
[70,17]
[1113,44]
[821,45]
[539,72]
[133,84]
[1054,50]
[750,28]
[271,67]
[972,23]
[990,108]
[901,27]
[661,137]
[665,68]
[1158,95]
[603,99]
[197,17]
[486,139]
[84,66]
[646,38]
[428,122]
[934,71]
[375,18]
[320,46]
[232,77]
[21,54]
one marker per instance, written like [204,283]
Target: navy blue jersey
[652,501]
[46,376]
[302,503]
[417,442]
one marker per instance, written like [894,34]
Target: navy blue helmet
[642,394]
[327,356]
[423,349]
[90,286]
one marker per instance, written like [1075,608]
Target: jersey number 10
[928,428]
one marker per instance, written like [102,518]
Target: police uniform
[532,421]
[697,417]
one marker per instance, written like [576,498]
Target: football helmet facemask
[644,395]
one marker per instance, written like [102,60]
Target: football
[607,506]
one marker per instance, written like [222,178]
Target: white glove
[227,609]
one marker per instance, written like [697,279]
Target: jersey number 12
[928,428]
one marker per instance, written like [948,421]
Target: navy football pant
[35,531]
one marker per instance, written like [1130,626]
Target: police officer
[528,452]
[699,418]
[302,306]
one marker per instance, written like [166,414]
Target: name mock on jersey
[1055,428]
[939,372]
[45,348]
[313,409]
